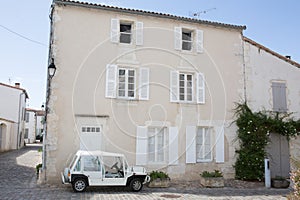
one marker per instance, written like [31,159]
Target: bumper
[147,179]
[63,179]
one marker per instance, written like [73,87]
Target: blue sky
[274,24]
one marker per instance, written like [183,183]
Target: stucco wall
[261,69]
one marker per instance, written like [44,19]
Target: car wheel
[79,185]
[136,185]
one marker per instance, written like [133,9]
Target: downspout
[244,69]
[17,147]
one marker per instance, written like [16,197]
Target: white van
[98,168]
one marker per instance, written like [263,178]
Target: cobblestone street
[18,178]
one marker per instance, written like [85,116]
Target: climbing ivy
[252,134]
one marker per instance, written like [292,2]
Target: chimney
[17,85]
[288,57]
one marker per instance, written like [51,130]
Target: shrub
[216,173]
[295,177]
[158,175]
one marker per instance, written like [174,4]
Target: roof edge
[271,51]
[10,86]
[150,13]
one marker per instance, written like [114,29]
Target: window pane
[131,87]
[121,86]
[91,163]
[181,77]
[121,93]
[125,38]
[125,28]
[130,79]
[131,73]
[98,129]
[187,35]
[186,45]
[121,72]
[130,93]
[83,129]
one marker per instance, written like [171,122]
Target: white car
[98,168]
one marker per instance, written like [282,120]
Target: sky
[25,25]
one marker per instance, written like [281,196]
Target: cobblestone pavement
[18,181]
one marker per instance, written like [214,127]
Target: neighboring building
[12,116]
[34,124]
[272,83]
[159,88]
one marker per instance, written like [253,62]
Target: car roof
[98,153]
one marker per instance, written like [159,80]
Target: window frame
[205,130]
[186,41]
[156,146]
[126,23]
[185,87]
[126,83]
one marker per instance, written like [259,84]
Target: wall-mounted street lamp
[51,69]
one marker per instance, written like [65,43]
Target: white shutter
[199,41]
[219,144]
[114,30]
[190,144]
[174,86]
[111,78]
[141,145]
[173,146]
[177,38]
[200,88]
[139,33]
[144,84]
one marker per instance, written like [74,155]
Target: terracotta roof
[18,88]
[271,52]
[150,13]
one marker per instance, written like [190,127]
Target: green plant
[40,150]
[295,177]
[216,173]
[37,167]
[158,175]
[252,134]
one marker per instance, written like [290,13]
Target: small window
[185,87]
[187,40]
[91,129]
[27,117]
[203,145]
[26,133]
[125,33]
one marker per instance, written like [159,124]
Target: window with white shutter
[200,88]
[111,78]
[279,97]
[188,39]
[139,33]
[173,146]
[220,154]
[174,86]
[141,145]
[157,144]
[190,144]
[114,31]
[144,84]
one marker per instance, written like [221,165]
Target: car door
[92,168]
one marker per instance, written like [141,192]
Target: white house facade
[159,88]
[12,116]
[33,124]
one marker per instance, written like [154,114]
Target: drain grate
[170,196]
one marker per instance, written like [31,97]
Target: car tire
[136,184]
[79,185]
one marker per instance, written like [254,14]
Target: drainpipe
[244,69]
[17,147]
